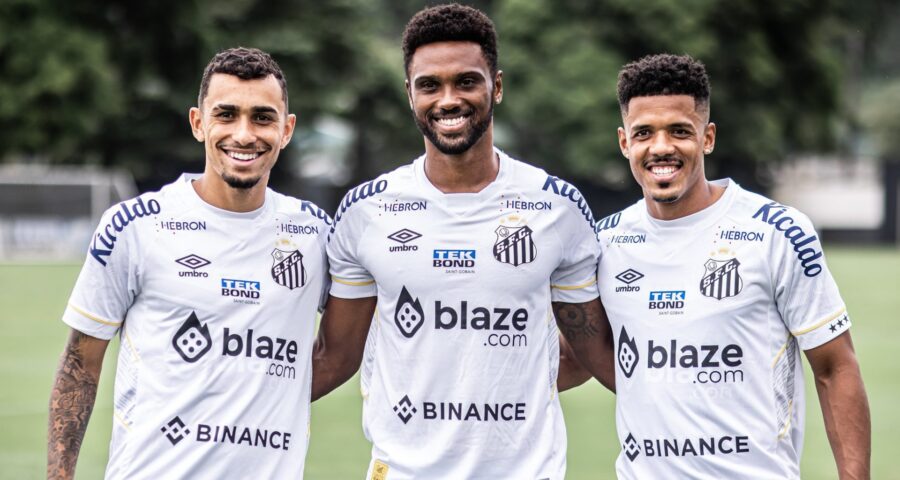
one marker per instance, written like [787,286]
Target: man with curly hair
[212,285]
[712,292]
[464,258]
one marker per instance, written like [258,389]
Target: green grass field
[33,298]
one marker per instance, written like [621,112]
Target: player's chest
[230,265]
[665,282]
[518,248]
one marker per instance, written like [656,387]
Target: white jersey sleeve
[108,282]
[806,294]
[575,280]
[349,278]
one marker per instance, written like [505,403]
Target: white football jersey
[215,311]
[709,314]
[459,374]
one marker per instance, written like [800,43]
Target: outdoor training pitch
[33,297]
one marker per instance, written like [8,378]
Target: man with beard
[212,284]
[459,256]
[712,292]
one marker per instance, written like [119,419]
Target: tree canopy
[110,83]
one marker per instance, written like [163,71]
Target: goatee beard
[472,137]
[240,183]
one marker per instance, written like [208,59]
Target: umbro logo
[628,277]
[193,262]
[403,237]
[405,409]
[175,430]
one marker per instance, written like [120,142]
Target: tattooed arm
[571,373]
[72,401]
[586,328]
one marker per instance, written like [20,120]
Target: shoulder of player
[119,223]
[789,229]
[535,184]
[364,199]
[755,209]
[627,219]
[300,210]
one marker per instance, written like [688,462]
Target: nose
[244,132]
[661,145]
[449,100]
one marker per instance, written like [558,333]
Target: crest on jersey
[408,315]
[514,245]
[721,279]
[287,269]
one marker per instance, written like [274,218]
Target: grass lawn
[34,296]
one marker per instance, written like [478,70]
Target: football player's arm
[571,373]
[845,406]
[71,402]
[586,329]
[339,346]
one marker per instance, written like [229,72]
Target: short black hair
[246,64]
[663,74]
[451,22]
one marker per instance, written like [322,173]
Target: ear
[409,95]
[289,124]
[195,117]
[498,87]
[623,142]
[709,138]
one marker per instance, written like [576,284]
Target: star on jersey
[514,245]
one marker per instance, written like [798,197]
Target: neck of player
[695,199]
[467,172]
[213,190]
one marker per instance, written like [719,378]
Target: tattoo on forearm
[71,403]
[578,321]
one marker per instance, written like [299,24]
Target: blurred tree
[111,82]
[775,67]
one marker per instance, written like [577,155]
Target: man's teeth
[243,156]
[663,169]
[451,122]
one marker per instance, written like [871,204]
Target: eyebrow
[671,125]
[234,108]
[467,73]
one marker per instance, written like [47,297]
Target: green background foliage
[110,82]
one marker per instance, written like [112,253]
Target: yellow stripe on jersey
[130,344]
[781,351]
[576,287]
[118,416]
[823,322]
[787,425]
[352,284]
[94,318]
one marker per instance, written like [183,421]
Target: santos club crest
[288,268]
[514,245]
[721,279]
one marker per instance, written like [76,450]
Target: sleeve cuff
[584,292]
[824,330]
[356,288]
[90,324]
